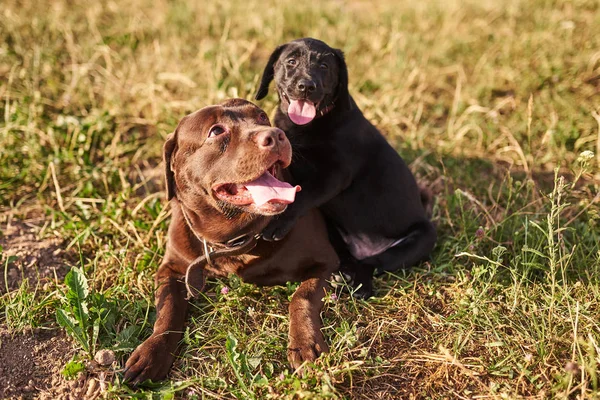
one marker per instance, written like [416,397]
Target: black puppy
[345,166]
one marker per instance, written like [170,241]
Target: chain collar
[194,275]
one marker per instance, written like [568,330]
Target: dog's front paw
[278,228]
[151,360]
[301,351]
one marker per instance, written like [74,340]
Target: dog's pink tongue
[268,188]
[301,112]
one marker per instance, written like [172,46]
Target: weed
[75,316]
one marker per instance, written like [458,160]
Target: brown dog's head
[228,158]
[310,77]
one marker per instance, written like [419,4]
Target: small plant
[6,263]
[73,368]
[243,367]
[75,315]
[82,314]
[583,165]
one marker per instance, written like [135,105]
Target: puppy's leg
[153,358]
[361,275]
[306,341]
[314,194]
[416,248]
[363,280]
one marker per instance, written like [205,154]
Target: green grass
[486,99]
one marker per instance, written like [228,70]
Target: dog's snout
[270,138]
[306,85]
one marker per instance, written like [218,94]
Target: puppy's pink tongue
[268,188]
[301,112]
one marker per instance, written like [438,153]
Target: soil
[32,361]
[37,260]
[31,367]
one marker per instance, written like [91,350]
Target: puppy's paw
[151,360]
[364,292]
[359,285]
[278,228]
[300,351]
[364,286]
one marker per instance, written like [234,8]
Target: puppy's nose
[269,139]
[306,85]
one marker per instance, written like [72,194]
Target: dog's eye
[216,130]
[292,62]
[323,66]
[262,118]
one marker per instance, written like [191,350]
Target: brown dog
[221,167]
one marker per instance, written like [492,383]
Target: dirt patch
[30,360]
[37,260]
[32,363]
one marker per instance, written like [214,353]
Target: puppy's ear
[168,152]
[343,95]
[269,73]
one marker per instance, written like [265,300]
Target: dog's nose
[269,139]
[305,85]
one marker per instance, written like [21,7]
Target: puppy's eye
[292,62]
[216,130]
[324,66]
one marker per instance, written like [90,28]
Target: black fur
[346,168]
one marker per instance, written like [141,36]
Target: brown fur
[194,164]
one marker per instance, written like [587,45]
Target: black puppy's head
[311,78]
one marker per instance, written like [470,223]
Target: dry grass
[485,99]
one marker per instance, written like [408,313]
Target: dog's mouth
[300,111]
[266,193]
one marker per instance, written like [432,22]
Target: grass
[492,102]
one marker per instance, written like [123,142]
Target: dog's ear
[343,95]
[269,73]
[168,152]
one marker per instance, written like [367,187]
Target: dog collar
[326,110]
[194,276]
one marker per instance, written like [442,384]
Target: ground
[21,242]
[495,105]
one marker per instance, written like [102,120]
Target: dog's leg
[153,358]
[306,341]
